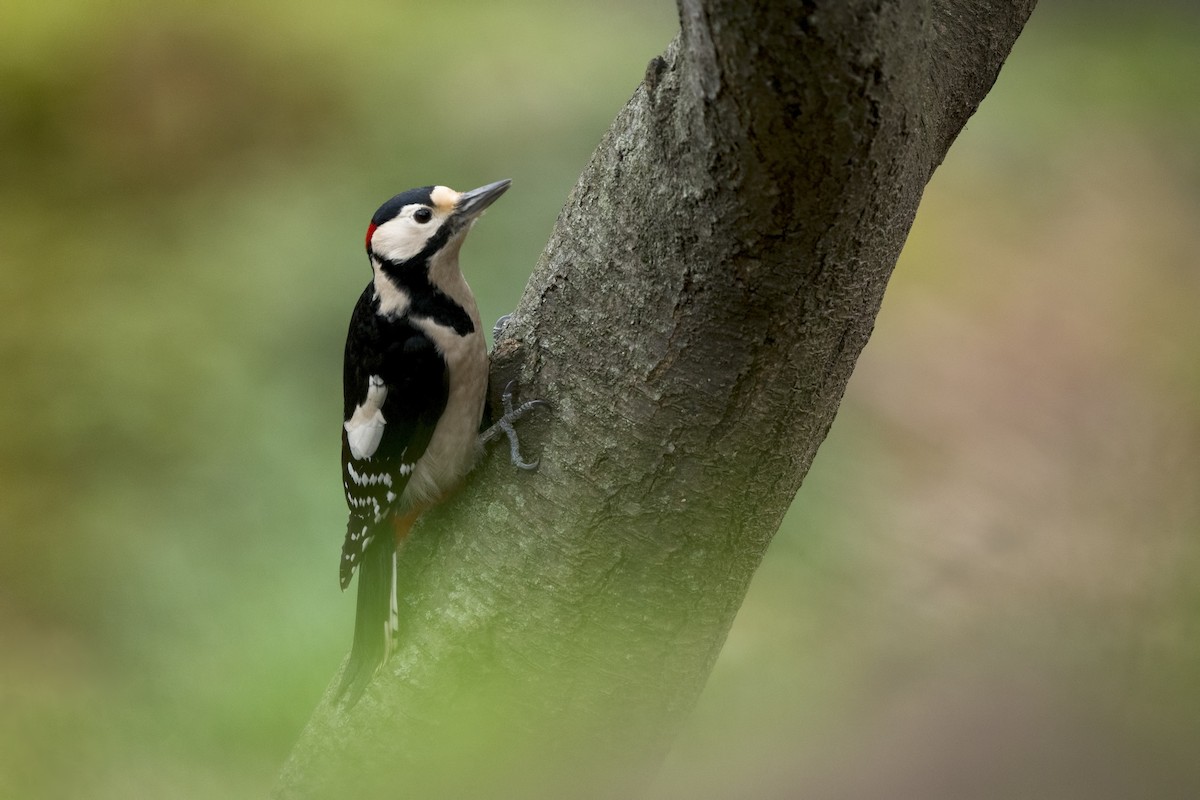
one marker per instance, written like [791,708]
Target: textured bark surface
[694,319]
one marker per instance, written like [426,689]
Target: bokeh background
[986,587]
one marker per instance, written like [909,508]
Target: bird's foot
[505,425]
[498,328]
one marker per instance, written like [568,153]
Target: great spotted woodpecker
[415,386]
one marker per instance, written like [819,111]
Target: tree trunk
[694,320]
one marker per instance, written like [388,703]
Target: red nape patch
[370,233]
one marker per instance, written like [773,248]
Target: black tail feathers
[374,622]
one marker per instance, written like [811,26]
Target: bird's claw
[505,425]
[498,328]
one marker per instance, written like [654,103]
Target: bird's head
[418,224]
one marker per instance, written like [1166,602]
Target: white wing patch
[364,429]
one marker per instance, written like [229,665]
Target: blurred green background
[985,588]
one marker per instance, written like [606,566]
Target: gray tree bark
[694,319]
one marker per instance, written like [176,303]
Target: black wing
[392,368]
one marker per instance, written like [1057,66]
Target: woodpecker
[415,385]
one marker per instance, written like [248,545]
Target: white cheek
[399,240]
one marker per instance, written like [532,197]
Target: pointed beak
[473,203]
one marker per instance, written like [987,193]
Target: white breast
[454,448]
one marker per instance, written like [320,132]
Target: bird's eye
[422,215]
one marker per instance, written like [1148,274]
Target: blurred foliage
[996,541]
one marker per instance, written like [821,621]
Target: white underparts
[453,449]
[364,429]
[447,277]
